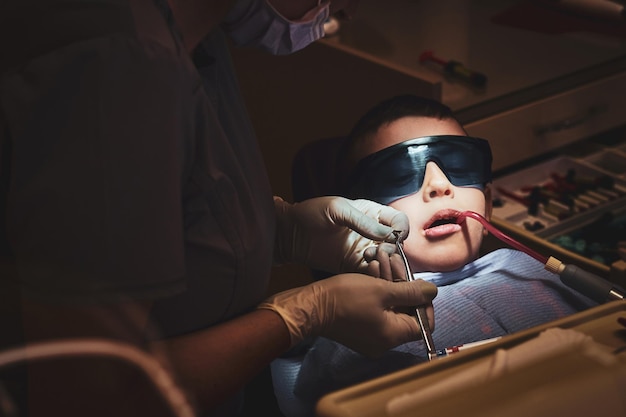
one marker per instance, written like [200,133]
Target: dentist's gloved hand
[333,233]
[358,311]
[384,261]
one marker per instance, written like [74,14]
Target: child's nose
[436,184]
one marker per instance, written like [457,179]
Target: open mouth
[443,217]
[441,222]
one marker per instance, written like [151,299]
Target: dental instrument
[454,349]
[420,311]
[456,69]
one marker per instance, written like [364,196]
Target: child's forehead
[407,128]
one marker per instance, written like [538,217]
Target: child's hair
[385,112]
[395,108]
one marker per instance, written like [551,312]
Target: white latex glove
[384,261]
[358,311]
[332,233]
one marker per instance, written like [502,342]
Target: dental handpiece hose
[593,286]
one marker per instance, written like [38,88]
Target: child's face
[449,246]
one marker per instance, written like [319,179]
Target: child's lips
[442,230]
[442,223]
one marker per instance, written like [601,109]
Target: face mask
[256,23]
[398,171]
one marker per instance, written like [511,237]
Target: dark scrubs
[127,172]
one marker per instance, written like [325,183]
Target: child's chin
[447,263]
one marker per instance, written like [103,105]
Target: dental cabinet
[554,101]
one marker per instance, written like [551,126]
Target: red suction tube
[503,237]
[591,285]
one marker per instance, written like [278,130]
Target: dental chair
[314,169]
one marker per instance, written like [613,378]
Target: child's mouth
[443,223]
[440,222]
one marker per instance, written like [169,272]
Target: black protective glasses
[398,171]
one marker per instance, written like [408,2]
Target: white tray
[551,384]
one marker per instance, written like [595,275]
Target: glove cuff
[294,319]
[299,309]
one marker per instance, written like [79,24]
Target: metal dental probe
[420,311]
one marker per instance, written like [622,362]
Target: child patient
[410,152]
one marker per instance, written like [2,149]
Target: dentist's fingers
[379,260]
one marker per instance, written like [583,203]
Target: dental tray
[588,187]
[571,207]
[555,385]
[611,161]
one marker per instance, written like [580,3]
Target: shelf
[519,46]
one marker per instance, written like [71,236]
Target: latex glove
[384,261]
[358,311]
[332,233]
